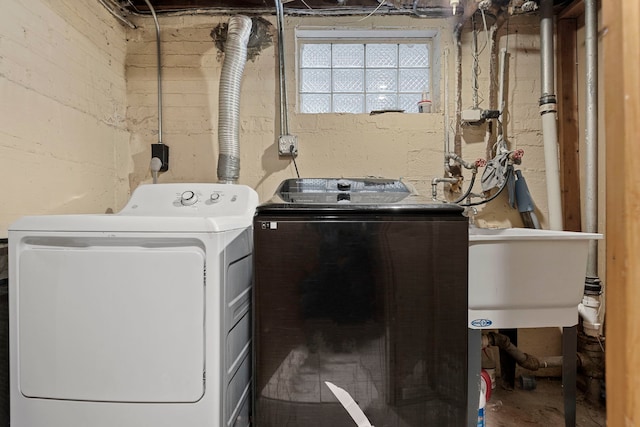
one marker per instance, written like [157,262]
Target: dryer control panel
[191,199]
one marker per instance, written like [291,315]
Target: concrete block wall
[79,112]
[521,120]
[63,136]
[389,145]
[191,70]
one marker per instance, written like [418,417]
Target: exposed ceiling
[421,8]
[290,6]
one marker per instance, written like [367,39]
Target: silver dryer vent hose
[235,57]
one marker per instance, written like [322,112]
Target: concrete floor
[540,407]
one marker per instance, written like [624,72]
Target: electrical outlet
[161,151]
[284,145]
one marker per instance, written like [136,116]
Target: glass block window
[355,71]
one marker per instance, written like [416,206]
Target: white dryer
[142,318]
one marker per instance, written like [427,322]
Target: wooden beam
[574,10]
[569,134]
[621,49]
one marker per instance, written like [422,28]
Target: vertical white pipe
[591,132]
[548,111]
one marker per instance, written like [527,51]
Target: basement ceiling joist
[422,8]
[290,6]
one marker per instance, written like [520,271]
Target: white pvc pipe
[548,111]
[589,311]
[552,169]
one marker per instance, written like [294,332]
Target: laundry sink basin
[521,277]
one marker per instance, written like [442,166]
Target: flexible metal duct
[235,58]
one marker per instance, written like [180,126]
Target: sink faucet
[434,185]
[470,212]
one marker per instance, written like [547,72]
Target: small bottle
[424,106]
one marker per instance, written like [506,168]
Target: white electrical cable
[383,2]
[374,11]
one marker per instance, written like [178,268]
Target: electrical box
[285,144]
[471,116]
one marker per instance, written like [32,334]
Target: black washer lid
[349,194]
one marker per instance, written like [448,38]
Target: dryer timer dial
[188,198]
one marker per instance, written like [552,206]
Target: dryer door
[111,319]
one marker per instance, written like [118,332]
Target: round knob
[188,198]
[215,197]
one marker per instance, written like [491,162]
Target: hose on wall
[229,98]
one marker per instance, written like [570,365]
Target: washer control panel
[191,200]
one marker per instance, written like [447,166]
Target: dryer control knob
[188,198]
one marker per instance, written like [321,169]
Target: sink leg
[569,367]
[507,363]
[474,356]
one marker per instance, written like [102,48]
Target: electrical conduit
[159,71]
[229,98]
[284,122]
[156,164]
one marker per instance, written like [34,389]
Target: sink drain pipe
[548,113]
[523,359]
[235,57]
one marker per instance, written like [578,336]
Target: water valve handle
[517,154]
[480,162]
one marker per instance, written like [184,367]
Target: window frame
[360,36]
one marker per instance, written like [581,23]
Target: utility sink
[522,277]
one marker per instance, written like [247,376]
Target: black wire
[504,184]
[293,156]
